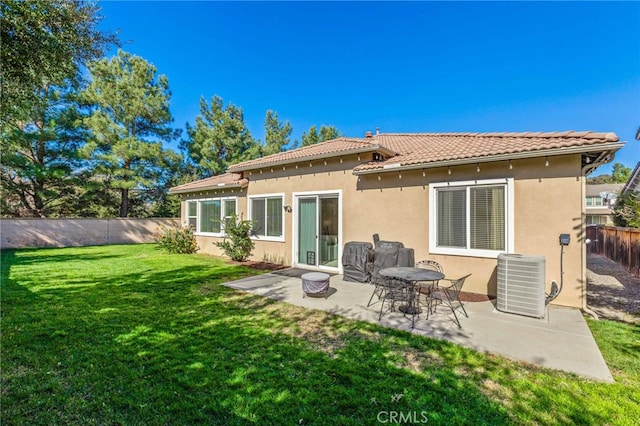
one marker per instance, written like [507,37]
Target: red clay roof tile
[425,148]
[332,148]
[407,149]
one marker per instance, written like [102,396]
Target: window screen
[452,218]
[210,216]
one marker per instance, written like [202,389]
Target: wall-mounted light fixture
[287,209]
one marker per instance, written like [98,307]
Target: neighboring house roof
[227,180]
[332,148]
[633,184]
[594,190]
[441,149]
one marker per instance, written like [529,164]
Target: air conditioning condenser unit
[521,281]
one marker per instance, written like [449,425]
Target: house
[457,198]
[599,202]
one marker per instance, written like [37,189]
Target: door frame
[294,242]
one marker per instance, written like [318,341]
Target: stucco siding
[548,201]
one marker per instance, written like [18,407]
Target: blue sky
[402,67]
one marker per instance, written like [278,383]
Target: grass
[131,335]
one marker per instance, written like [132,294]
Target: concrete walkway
[562,340]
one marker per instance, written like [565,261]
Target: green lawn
[131,335]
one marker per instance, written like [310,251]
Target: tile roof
[421,149]
[332,148]
[426,148]
[227,180]
[405,149]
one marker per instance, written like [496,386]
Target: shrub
[176,239]
[239,245]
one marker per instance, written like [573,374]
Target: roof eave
[606,147]
[175,190]
[363,150]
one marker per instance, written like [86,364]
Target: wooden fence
[621,245]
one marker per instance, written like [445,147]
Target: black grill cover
[356,261]
[389,254]
[406,257]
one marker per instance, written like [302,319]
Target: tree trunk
[124,202]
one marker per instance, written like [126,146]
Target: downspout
[603,158]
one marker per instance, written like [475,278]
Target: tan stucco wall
[18,233]
[548,201]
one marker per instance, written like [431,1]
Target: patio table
[411,275]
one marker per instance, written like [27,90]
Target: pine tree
[40,156]
[277,135]
[130,119]
[219,138]
[314,136]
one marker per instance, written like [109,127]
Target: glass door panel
[307,231]
[328,226]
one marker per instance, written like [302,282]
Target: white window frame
[508,184]
[250,199]
[187,216]
[223,215]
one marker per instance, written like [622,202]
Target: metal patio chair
[449,296]
[425,287]
[396,291]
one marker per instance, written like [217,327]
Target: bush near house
[239,245]
[176,239]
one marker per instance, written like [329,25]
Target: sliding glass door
[318,230]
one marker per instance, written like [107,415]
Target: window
[594,202]
[229,209]
[267,215]
[597,219]
[192,214]
[207,215]
[471,218]
[210,216]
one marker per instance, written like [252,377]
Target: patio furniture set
[397,280]
[415,287]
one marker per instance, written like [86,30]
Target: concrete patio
[562,340]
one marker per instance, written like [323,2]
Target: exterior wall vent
[521,284]
[378,157]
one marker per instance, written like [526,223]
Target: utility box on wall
[521,281]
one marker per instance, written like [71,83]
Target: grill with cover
[357,259]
